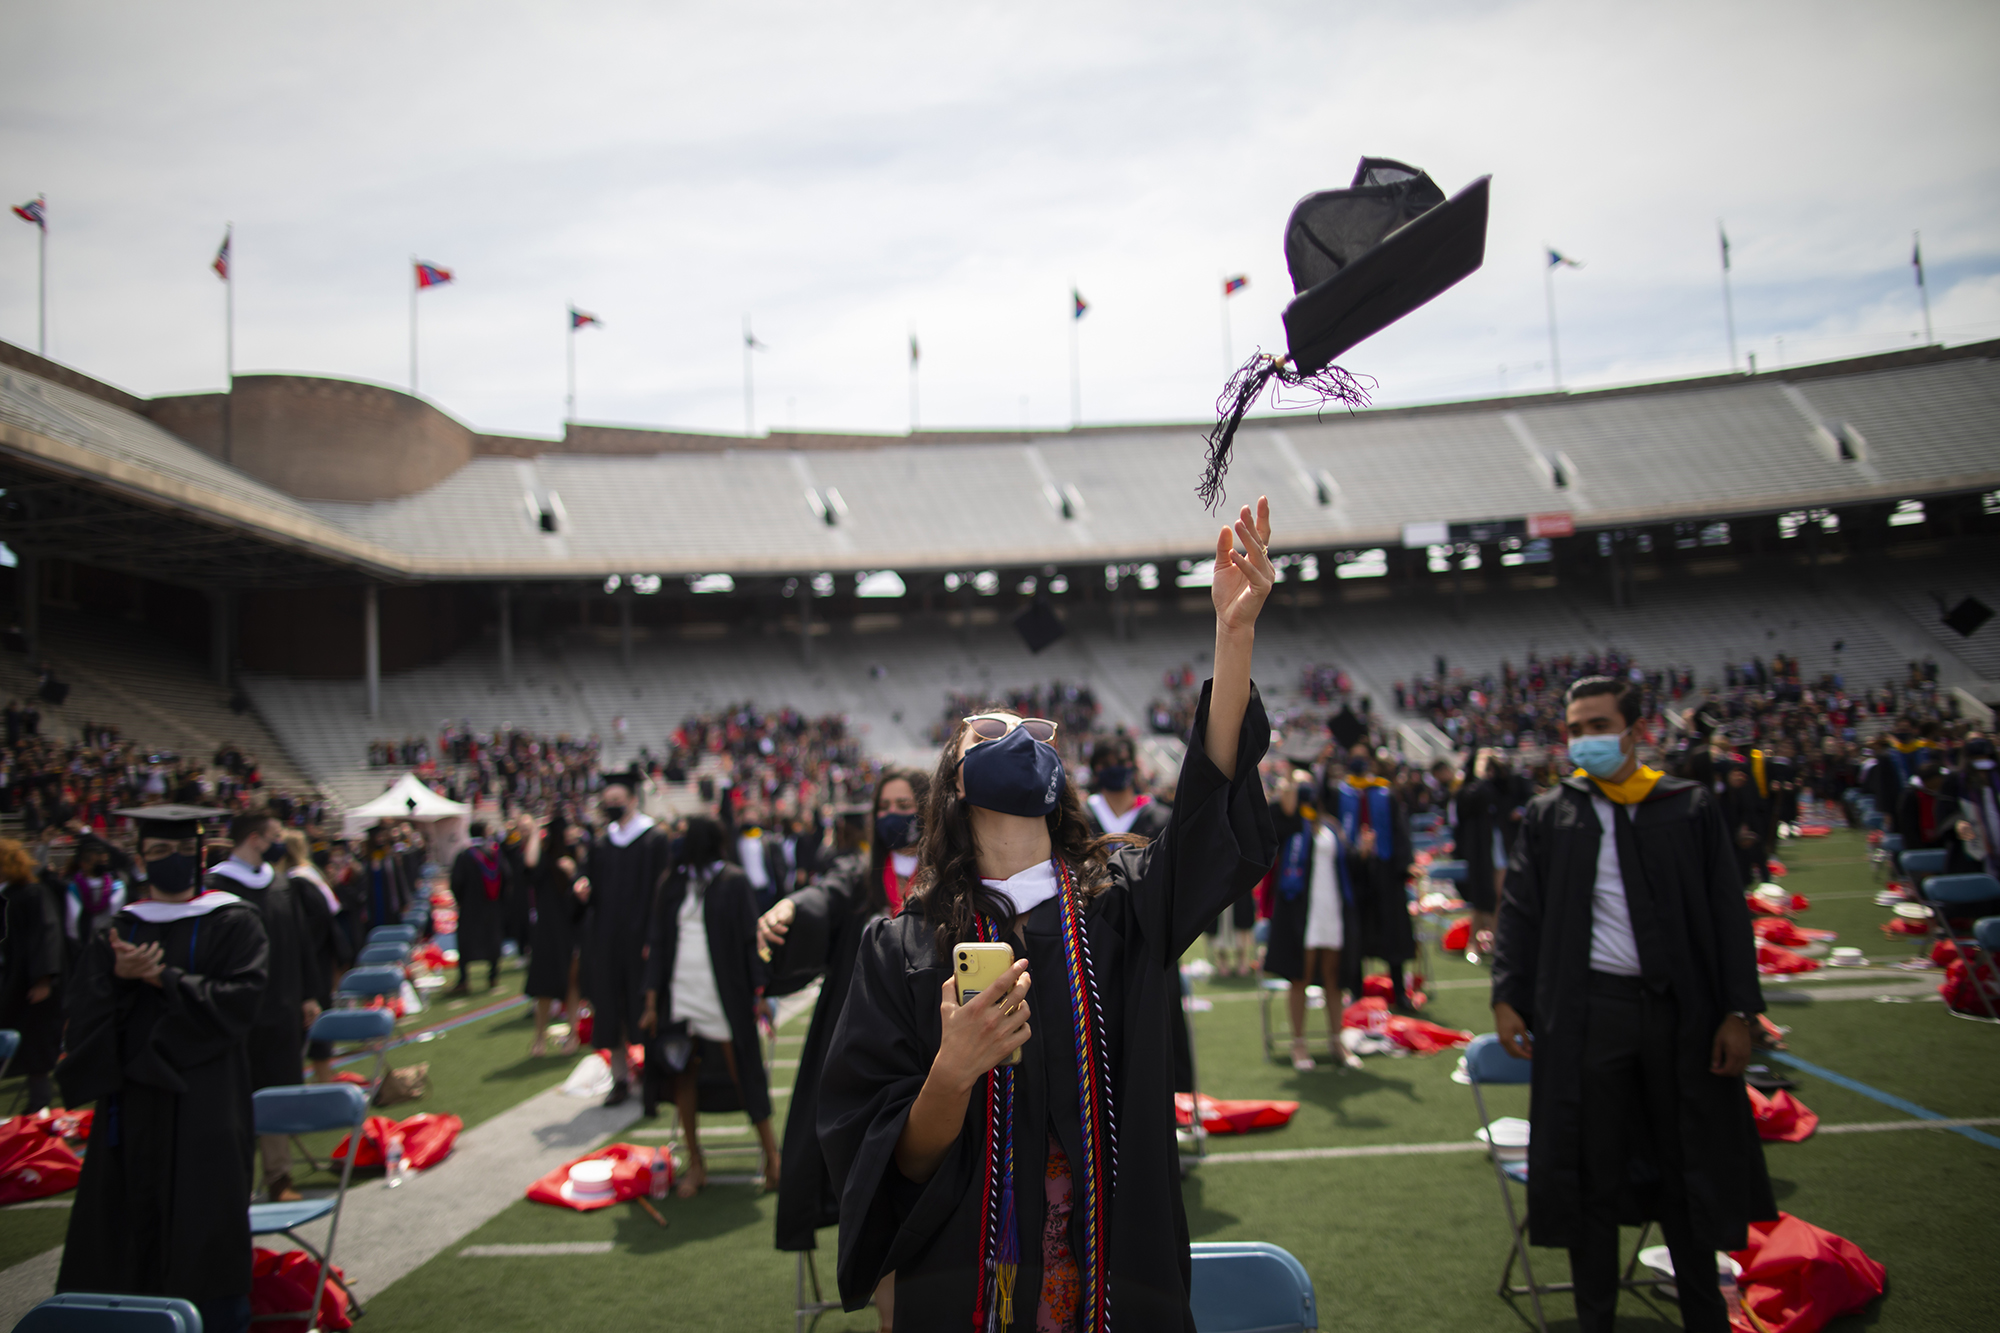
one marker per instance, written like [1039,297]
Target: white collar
[904,862]
[260,878]
[1110,820]
[1027,890]
[623,835]
[159,913]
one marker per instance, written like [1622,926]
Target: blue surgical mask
[1599,756]
[1015,775]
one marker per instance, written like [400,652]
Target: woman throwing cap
[1012,1159]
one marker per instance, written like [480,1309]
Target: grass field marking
[531,1251]
[1884,1126]
[61,1201]
[1332,1154]
[1886,1098]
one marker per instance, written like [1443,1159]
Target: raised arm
[1243,580]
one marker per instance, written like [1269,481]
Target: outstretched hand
[1243,579]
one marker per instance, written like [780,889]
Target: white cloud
[846,173]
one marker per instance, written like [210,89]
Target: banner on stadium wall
[1487,531]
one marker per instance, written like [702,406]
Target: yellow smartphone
[979,966]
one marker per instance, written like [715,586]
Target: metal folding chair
[90,1312]
[1488,1062]
[1917,865]
[1250,1287]
[806,1313]
[388,953]
[363,984]
[365,1027]
[293,1111]
[1942,893]
[405,934]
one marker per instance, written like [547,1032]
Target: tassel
[1331,384]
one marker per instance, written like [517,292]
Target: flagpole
[1075,364]
[1228,342]
[413,326]
[1923,288]
[42,288]
[749,386]
[914,403]
[1549,288]
[1728,301]
[229,346]
[569,403]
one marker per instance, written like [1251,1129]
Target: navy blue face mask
[896,830]
[1114,777]
[1015,775]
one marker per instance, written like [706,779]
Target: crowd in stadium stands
[53,784]
[516,770]
[1172,713]
[1323,683]
[1523,706]
[769,759]
[1073,707]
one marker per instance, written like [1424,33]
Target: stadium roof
[103,483]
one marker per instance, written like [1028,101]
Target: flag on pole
[578,319]
[750,341]
[221,264]
[1917,260]
[1557,258]
[36,210]
[431,275]
[1231,286]
[1081,304]
[914,354]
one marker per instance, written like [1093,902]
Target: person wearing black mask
[295,979]
[624,866]
[552,856]
[702,974]
[160,1013]
[818,930]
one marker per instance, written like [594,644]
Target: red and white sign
[1552,525]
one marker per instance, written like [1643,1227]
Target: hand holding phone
[984,1012]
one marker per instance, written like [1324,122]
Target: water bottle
[395,1162]
[658,1188]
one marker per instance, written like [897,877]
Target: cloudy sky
[848,174]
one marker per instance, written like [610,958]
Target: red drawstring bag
[1781,1117]
[1796,1277]
[1774,868]
[1961,989]
[280,1280]
[631,1175]
[1371,1014]
[1458,936]
[1377,986]
[1773,960]
[1233,1117]
[427,1140]
[34,1161]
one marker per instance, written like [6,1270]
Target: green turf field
[1392,1242]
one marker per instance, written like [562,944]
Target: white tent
[408,799]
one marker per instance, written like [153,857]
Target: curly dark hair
[876,897]
[947,883]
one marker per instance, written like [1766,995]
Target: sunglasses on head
[992,726]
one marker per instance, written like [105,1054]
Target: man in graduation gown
[624,867]
[160,1013]
[482,884]
[1375,829]
[385,883]
[701,995]
[1624,948]
[295,982]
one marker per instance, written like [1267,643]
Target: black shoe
[1405,1008]
[621,1093]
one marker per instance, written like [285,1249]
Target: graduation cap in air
[1360,259]
[1966,617]
[170,821]
[1039,625]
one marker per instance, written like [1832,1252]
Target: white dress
[1324,926]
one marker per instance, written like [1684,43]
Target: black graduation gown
[1693,931]
[553,939]
[1151,823]
[34,949]
[1218,844]
[1475,819]
[1377,920]
[616,923]
[326,940]
[729,919]
[825,934]
[1285,951]
[292,975]
[162,1208]
[481,920]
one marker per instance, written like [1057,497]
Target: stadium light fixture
[702,583]
[986,582]
[1196,574]
[613,584]
[951,582]
[1057,583]
[822,584]
[879,583]
[1149,577]
[1026,587]
[647,584]
[1369,564]
[1907,513]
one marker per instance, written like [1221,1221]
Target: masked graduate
[160,1013]
[1043,1194]
[625,865]
[702,975]
[1375,837]
[296,984]
[483,886]
[818,929]
[1309,911]
[1116,804]
[1625,969]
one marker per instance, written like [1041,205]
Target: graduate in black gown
[160,1013]
[626,863]
[818,930]
[293,984]
[326,940]
[482,884]
[552,857]
[31,1001]
[1375,831]
[914,1117]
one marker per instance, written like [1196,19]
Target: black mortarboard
[630,778]
[170,821]
[1039,625]
[1360,258]
[1968,616]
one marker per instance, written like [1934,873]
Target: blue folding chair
[366,983]
[10,1046]
[1987,931]
[1250,1287]
[293,1111]
[1920,864]
[404,934]
[89,1312]
[1488,1062]
[1944,893]
[388,953]
[367,1028]
[1450,871]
